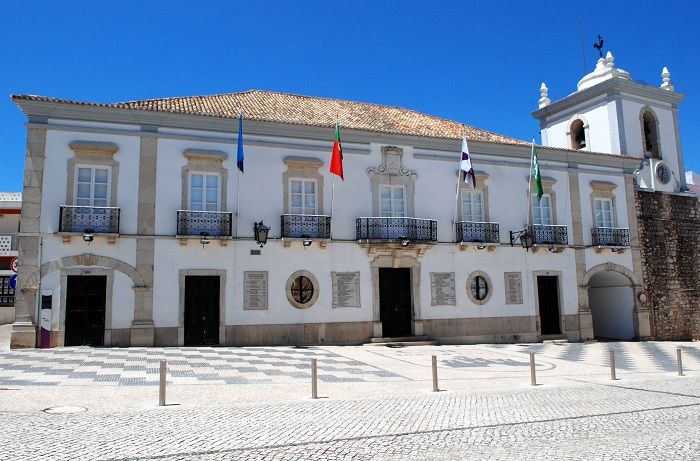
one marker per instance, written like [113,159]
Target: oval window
[302,289]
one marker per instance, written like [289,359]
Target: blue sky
[480,63]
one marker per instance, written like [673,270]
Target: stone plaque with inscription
[442,289]
[255,290]
[346,289]
[514,287]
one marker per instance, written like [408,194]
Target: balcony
[413,229]
[477,232]
[306,226]
[8,245]
[92,219]
[610,237]
[549,235]
[197,223]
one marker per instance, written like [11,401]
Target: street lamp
[525,237]
[260,232]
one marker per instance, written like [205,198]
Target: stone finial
[666,76]
[544,96]
[609,60]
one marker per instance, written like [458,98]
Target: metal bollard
[533,376]
[163,381]
[612,365]
[679,356]
[314,379]
[435,378]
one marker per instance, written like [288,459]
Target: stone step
[402,341]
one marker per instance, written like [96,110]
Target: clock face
[663,173]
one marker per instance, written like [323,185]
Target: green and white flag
[536,172]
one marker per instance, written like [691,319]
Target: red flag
[337,156]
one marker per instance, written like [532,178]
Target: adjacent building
[10,207]
[139,229]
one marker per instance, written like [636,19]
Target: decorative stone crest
[391,164]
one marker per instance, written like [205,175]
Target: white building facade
[137,228]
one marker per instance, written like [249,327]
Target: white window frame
[304,210]
[537,204]
[611,212]
[392,199]
[92,168]
[468,215]
[204,175]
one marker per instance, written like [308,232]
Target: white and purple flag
[466,164]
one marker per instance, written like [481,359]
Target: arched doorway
[611,299]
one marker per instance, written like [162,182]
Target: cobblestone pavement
[650,420]
[376,405]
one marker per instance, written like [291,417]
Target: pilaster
[142,332]
[585,320]
[29,242]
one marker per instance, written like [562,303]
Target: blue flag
[239,158]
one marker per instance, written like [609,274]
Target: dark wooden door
[548,294]
[201,310]
[85,310]
[395,302]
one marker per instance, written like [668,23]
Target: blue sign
[13,281]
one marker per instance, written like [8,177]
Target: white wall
[55,178]
[601,117]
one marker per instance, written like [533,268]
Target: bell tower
[611,113]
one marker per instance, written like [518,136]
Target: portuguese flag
[337,156]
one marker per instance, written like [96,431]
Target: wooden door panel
[548,295]
[85,310]
[202,310]
[395,304]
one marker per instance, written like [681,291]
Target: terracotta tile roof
[306,110]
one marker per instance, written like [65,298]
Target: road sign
[13,281]
[14,264]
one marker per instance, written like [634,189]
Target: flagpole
[238,201]
[529,184]
[238,176]
[454,220]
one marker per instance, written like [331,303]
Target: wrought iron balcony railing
[549,234]
[610,237]
[414,229]
[306,226]
[213,223]
[95,219]
[478,232]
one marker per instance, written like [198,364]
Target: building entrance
[201,310]
[548,295]
[85,310]
[395,302]
[611,298]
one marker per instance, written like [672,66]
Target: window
[204,192]
[578,135]
[472,206]
[650,135]
[542,210]
[479,287]
[92,186]
[302,199]
[302,289]
[7,294]
[603,212]
[392,201]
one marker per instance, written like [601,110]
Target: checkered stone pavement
[201,365]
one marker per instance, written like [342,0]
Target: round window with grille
[302,289]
